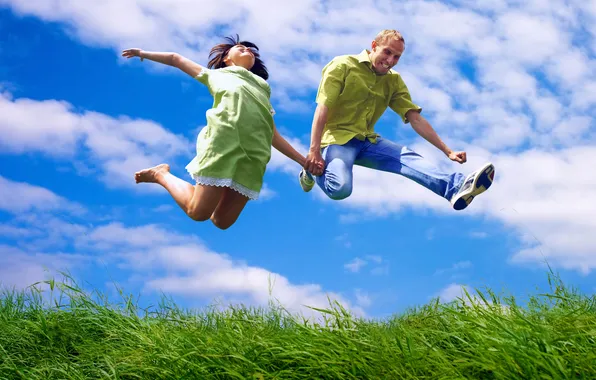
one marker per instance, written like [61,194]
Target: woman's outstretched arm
[167,58]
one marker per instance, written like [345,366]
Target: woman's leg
[229,208]
[198,202]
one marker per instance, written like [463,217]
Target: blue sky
[78,120]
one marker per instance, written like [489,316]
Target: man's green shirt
[357,97]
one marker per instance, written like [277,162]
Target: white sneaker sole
[305,187]
[482,181]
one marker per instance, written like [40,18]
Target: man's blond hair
[389,34]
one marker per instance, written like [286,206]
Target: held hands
[129,53]
[457,156]
[314,163]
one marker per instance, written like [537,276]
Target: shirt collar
[363,57]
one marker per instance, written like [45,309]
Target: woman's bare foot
[152,174]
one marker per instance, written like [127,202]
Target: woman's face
[240,55]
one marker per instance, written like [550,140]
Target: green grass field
[82,336]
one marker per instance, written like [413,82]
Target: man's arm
[314,153]
[401,102]
[332,82]
[425,130]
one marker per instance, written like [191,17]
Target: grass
[482,336]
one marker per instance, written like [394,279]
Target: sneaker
[306,180]
[474,184]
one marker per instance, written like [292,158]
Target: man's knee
[339,191]
[337,181]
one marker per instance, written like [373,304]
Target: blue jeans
[336,180]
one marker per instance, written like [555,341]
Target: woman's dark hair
[219,52]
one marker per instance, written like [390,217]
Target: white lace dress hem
[226,182]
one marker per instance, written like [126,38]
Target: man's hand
[458,157]
[314,162]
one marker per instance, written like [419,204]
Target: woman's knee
[223,223]
[229,210]
[204,202]
[199,214]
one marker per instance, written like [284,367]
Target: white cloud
[363,299]
[47,231]
[102,23]
[380,271]
[165,260]
[20,269]
[548,111]
[478,235]
[584,96]
[530,39]
[549,196]
[9,231]
[355,265]
[345,240]
[115,235]
[571,67]
[453,292]
[455,267]
[118,146]
[528,72]
[267,193]
[573,131]
[20,197]
[163,208]
[378,266]
[504,131]
[180,264]
[28,125]
[375,258]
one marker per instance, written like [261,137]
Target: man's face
[385,55]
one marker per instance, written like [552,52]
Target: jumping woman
[234,148]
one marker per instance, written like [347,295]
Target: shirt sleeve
[205,77]
[401,101]
[332,82]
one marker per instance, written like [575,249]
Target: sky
[509,82]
